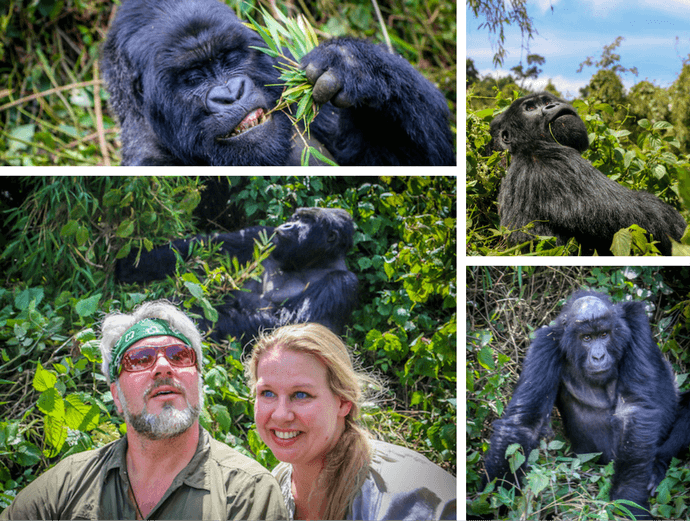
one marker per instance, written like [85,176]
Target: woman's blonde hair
[347,463]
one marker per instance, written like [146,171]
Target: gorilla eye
[586,338]
[604,334]
[192,77]
[530,107]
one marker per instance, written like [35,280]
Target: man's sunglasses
[144,357]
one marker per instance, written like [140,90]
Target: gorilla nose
[221,96]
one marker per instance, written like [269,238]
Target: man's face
[162,401]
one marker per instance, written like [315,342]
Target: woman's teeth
[286,435]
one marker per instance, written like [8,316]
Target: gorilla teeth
[254,118]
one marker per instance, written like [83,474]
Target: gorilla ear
[504,139]
[332,237]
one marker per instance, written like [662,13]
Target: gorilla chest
[594,417]
[277,287]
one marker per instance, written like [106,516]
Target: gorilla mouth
[253,119]
[563,112]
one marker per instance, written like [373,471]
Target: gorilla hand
[388,110]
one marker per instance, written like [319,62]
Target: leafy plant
[289,40]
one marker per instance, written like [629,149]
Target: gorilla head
[594,333]
[313,236]
[184,77]
[539,117]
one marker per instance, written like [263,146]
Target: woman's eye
[300,395]
[267,394]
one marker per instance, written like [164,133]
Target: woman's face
[296,413]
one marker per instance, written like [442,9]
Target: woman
[308,400]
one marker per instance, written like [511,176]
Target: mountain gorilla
[305,278]
[550,184]
[189,89]
[598,363]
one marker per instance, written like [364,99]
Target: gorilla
[551,185]
[305,278]
[189,88]
[598,363]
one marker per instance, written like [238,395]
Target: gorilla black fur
[550,184]
[616,394]
[188,89]
[305,278]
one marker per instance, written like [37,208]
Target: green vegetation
[505,305]
[53,104]
[60,247]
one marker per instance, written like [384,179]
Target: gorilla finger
[313,72]
[342,100]
[326,87]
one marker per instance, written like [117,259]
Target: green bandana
[142,329]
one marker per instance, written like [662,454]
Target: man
[167,466]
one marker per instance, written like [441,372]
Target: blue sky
[578,29]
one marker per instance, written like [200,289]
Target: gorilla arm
[389,113]
[649,412]
[528,415]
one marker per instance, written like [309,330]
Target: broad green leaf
[43,379]
[79,415]
[50,403]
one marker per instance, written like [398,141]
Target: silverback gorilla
[305,278]
[616,394]
[189,89]
[550,184]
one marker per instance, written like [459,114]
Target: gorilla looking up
[305,278]
[189,89]
[550,184]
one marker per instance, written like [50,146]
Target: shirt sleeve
[39,499]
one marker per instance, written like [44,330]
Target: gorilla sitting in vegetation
[615,392]
[550,185]
[189,89]
[305,278]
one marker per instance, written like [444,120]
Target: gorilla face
[539,117]
[189,87]
[203,88]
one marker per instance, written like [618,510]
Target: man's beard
[169,423]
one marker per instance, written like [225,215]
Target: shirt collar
[196,474]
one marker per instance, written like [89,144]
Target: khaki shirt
[218,483]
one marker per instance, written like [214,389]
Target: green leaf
[44,379]
[125,229]
[87,306]
[91,351]
[195,289]
[79,415]
[70,228]
[55,434]
[50,403]
[27,454]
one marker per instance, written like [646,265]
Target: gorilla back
[189,89]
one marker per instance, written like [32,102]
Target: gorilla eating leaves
[305,278]
[551,185]
[189,89]
[598,363]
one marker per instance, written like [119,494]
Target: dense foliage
[649,161]
[60,247]
[505,305]
[53,102]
